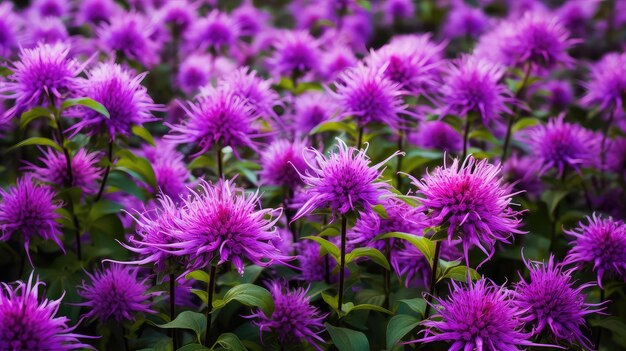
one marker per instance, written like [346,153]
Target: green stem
[605,137]
[359,141]
[387,277]
[220,166]
[209,308]
[106,171]
[399,164]
[599,336]
[342,261]
[173,309]
[433,279]
[466,136]
[520,92]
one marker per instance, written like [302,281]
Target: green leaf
[36,141]
[103,208]
[552,198]
[348,339]
[250,295]
[87,102]
[33,114]
[326,245]
[382,212]
[193,347]
[335,126]
[417,305]
[138,166]
[398,327]
[230,341]
[365,4]
[459,273]
[198,275]
[370,307]
[144,134]
[424,245]
[188,320]
[370,253]
[524,123]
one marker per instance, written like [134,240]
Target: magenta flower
[215,31]
[523,173]
[120,91]
[194,72]
[311,263]
[607,84]
[335,60]
[296,53]
[364,93]
[397,10]
[49,30]
[115,293]
[465,21]
[563,145]
[169,168]
[282,162]
[343,181]
[96,12]
[85,171]
[311,109]
[601,245]
[130,35]
[30,323]
[294,319]
[616,158]
[221,221]
[551,301]
[9,28]
[256,92]
[480,316]
[251,20]
[179,14]
[30,210]
[411,264]
[50,8]
[560,94]
[42,75]
[217,117]
[472,200]
[437,135]
[473,86]
[413,62]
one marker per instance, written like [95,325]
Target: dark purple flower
[256,92]
[311,109]
[343,181]
[50,8]
[465,21]
[601,245]
[120,91]
[607,84]
[616,158]
[335,60]
[472,200]
[28,322]
[217,30]
[42,74]
[30,210]
[576,15]
[49,30]
[563,145]
[472,86]
[480,316]
[96,11]
[115,293]
[251,20]
[169,168]
[178,14]
[560,94]
[9,29]
[282,162]
[397,10]
[523,173]
[85,171]
[294,319]
[194,72]
[296,53]
[410,263]
[551,301]
[437,135]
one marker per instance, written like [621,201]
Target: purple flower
[465,21]
[410,263]
[335,60]
[30,323]
[42,74]
[576,15]
[563,145]
[251,20]
[396,10]
[296,53]
[85,171]
[169,168]
[560,94]
[343,181]
[607,84]
[472,200]
[130,35]
[9,29]
[312,264]
[215,31]
[294,319]
[437,135]
[256,92]
[364,93]
[413,62]
[523,173]
[282,162]
[50,8]
[223,222]
[473,86]
[217,117]
[480,316]
[311,109]
[550,300]
[179,14]
[601,244]
[96,11]
[47,30]
[194,72]
[115,293]
[120,91]
[616,158]
[29,209]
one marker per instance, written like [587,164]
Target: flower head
[343,181]
[214,31]
[472,201]
[179,14]
[42,74]
[311,263]
[194,72]
[294,319]
[50,8]
[85,171]
[600,244]
[115,293]
[47,30]
[616,158]
[256,92]
[29,209]
[550,300]
[364,93]
[28,322]
[296,53]
[311,109]
[606,87]
[480,316]
[437,135]
[9,28]
[120,91]
[523,173]
[169,168]
[282,162]
[96,11]
[395,10]
[217,117]
[465,21]
[560,94]
[473,86]
[251,20]
[563,145]
[130,35]
[410,263]
[413,62]
[335,60]
[221,221]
